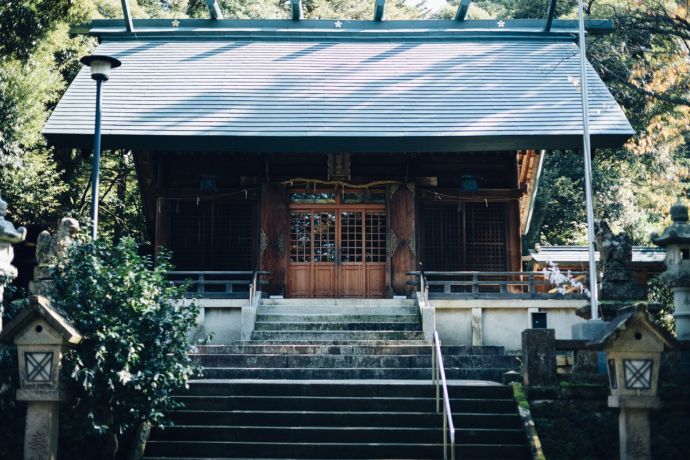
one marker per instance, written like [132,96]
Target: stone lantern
[40,334]
[633,344]
[676,240]
[9,235]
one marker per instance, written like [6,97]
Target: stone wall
[574,422]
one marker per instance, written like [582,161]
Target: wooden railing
[495,285]
[219,284]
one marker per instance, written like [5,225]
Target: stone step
[332,434]
[338,318]
[307,373]
[350,361]
[296,336]
[338,303]
[342,418]
[343,403]
[336,326]
[397,348]
[159,450]
[323,339]
[353,310]
[350,388]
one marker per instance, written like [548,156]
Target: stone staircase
[340,379]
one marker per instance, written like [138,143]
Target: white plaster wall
[454,326]
[504,326]
[502,320]
[220,317]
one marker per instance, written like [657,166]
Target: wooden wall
[167,175]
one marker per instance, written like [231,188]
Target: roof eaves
[282,29]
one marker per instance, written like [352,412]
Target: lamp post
[100,70]
[587,152]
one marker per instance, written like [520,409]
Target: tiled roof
[444,95]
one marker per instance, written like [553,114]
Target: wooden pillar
[514,244]
[163,224]
[402,239]
[273,244]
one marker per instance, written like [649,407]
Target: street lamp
[100,70]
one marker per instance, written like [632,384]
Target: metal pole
[587,152]
[95,169]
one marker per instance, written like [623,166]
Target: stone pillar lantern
[633,344]
[8,236]
[40,334]
[676,240]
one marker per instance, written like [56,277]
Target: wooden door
[337,251]
[403,246]
[273,253]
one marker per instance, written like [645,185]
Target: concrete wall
[220,317]
[458,322]
[500,322]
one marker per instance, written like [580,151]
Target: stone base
[611,309]
[588,330]
[41,432]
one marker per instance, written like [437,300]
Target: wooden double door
[337,250]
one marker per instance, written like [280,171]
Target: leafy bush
[12,412]
[135,350]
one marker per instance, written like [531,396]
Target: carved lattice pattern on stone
[39,366]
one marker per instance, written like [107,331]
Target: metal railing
[219,284]
[438,374]
[508,285]
[423,286]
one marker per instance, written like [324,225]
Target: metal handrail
[226,280]
[438,373]
[502,284]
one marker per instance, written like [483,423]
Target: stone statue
[51,249]
[615,258]
[9,235]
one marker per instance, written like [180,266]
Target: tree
[136,340]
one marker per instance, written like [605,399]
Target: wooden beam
[379,8]
[127,15]
[214,9]
[549,15]
[296,9]
[462,10]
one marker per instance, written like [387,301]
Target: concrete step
[332,434]
[343,403]
[323,339]
[359,348]
[374,317]
[316,450]
[336,326]
[350,388]
[343,418]
[296,336]
[307,373]
[338,303]
[287,361]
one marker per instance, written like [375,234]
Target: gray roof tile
[289,89]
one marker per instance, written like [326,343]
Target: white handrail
[253,288]
[438,373]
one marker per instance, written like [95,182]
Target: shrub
[135,350]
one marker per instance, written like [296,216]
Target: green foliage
[660,292]
[13,411]
[135,352]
